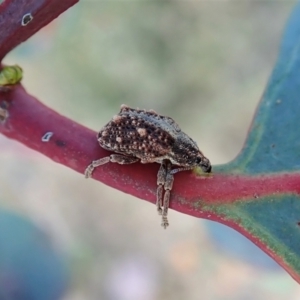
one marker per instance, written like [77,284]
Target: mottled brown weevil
[145,136]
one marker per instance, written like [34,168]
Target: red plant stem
[12,33]
[75,146]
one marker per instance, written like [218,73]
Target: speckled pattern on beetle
[145,136]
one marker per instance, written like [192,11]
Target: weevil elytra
[145,136]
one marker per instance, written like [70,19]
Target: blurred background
[204,63]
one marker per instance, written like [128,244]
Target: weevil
[145,136]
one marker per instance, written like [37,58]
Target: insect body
[145,136]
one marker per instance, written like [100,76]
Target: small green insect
[10,75]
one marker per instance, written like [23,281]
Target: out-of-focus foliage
[30,267]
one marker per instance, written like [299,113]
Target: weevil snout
[205,165]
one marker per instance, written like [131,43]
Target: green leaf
[265,204]
[273,144]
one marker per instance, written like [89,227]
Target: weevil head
[204,163]
[186,153]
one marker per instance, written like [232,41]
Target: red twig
[75,146]
[13,12]
[29,121]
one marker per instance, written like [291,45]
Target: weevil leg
[164,218]
[95,163]
[174,171]
[159,198]
[123,159]
[161,179]
[168,187]
[115,158]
